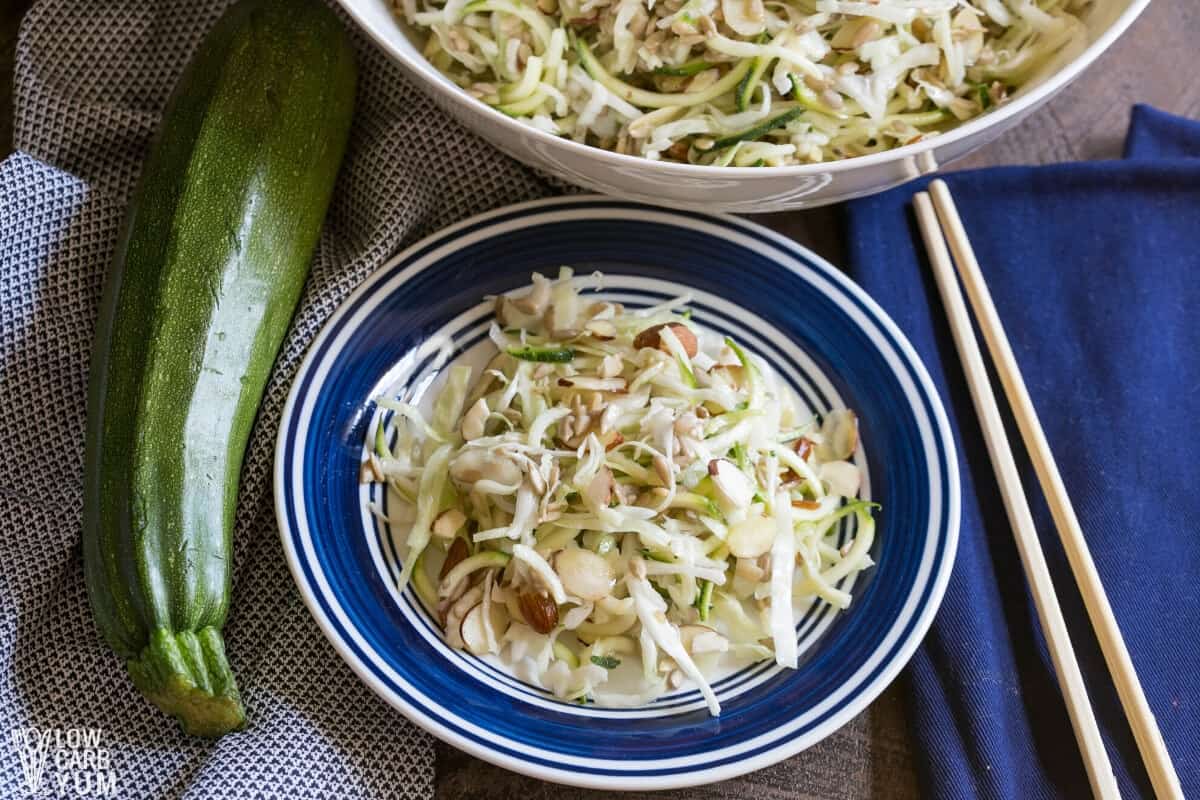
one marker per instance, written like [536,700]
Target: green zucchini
[985,97]
[745,89]
[759,130]
[659,556]
[685,70]
[549,355]
[208,271]
[647,99]
[565,654]
[704,599]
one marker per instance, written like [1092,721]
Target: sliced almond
[688,634]
[610,366]
[474,420]
[804,448]
[748,569]
[561,317]
[487,377]
[606,310]
[841,477]
[651,338]
[731,482]
[600,489]
[709,642]
[473,632]
[751,537]
[509,316]
[839,435]
[455,613]
[601,329]
[448,523]
[535,301]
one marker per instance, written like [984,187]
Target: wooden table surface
[872,756]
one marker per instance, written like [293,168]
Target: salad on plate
[621,501]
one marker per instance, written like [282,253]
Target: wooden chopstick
[1054,628]
[1133,699]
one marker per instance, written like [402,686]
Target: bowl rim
[919,624]
[422,71]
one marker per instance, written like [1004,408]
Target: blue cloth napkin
[1095,270]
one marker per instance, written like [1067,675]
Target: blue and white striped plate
[824,335]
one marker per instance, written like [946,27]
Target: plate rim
[869,692]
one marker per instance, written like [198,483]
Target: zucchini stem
[187,675]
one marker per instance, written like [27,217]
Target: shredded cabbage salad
[743,82]
[619,487]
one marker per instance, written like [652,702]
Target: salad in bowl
[743,82]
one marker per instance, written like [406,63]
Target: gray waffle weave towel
[91,78]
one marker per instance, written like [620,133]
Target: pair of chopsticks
[1149,740]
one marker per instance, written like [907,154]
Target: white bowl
[740,189]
